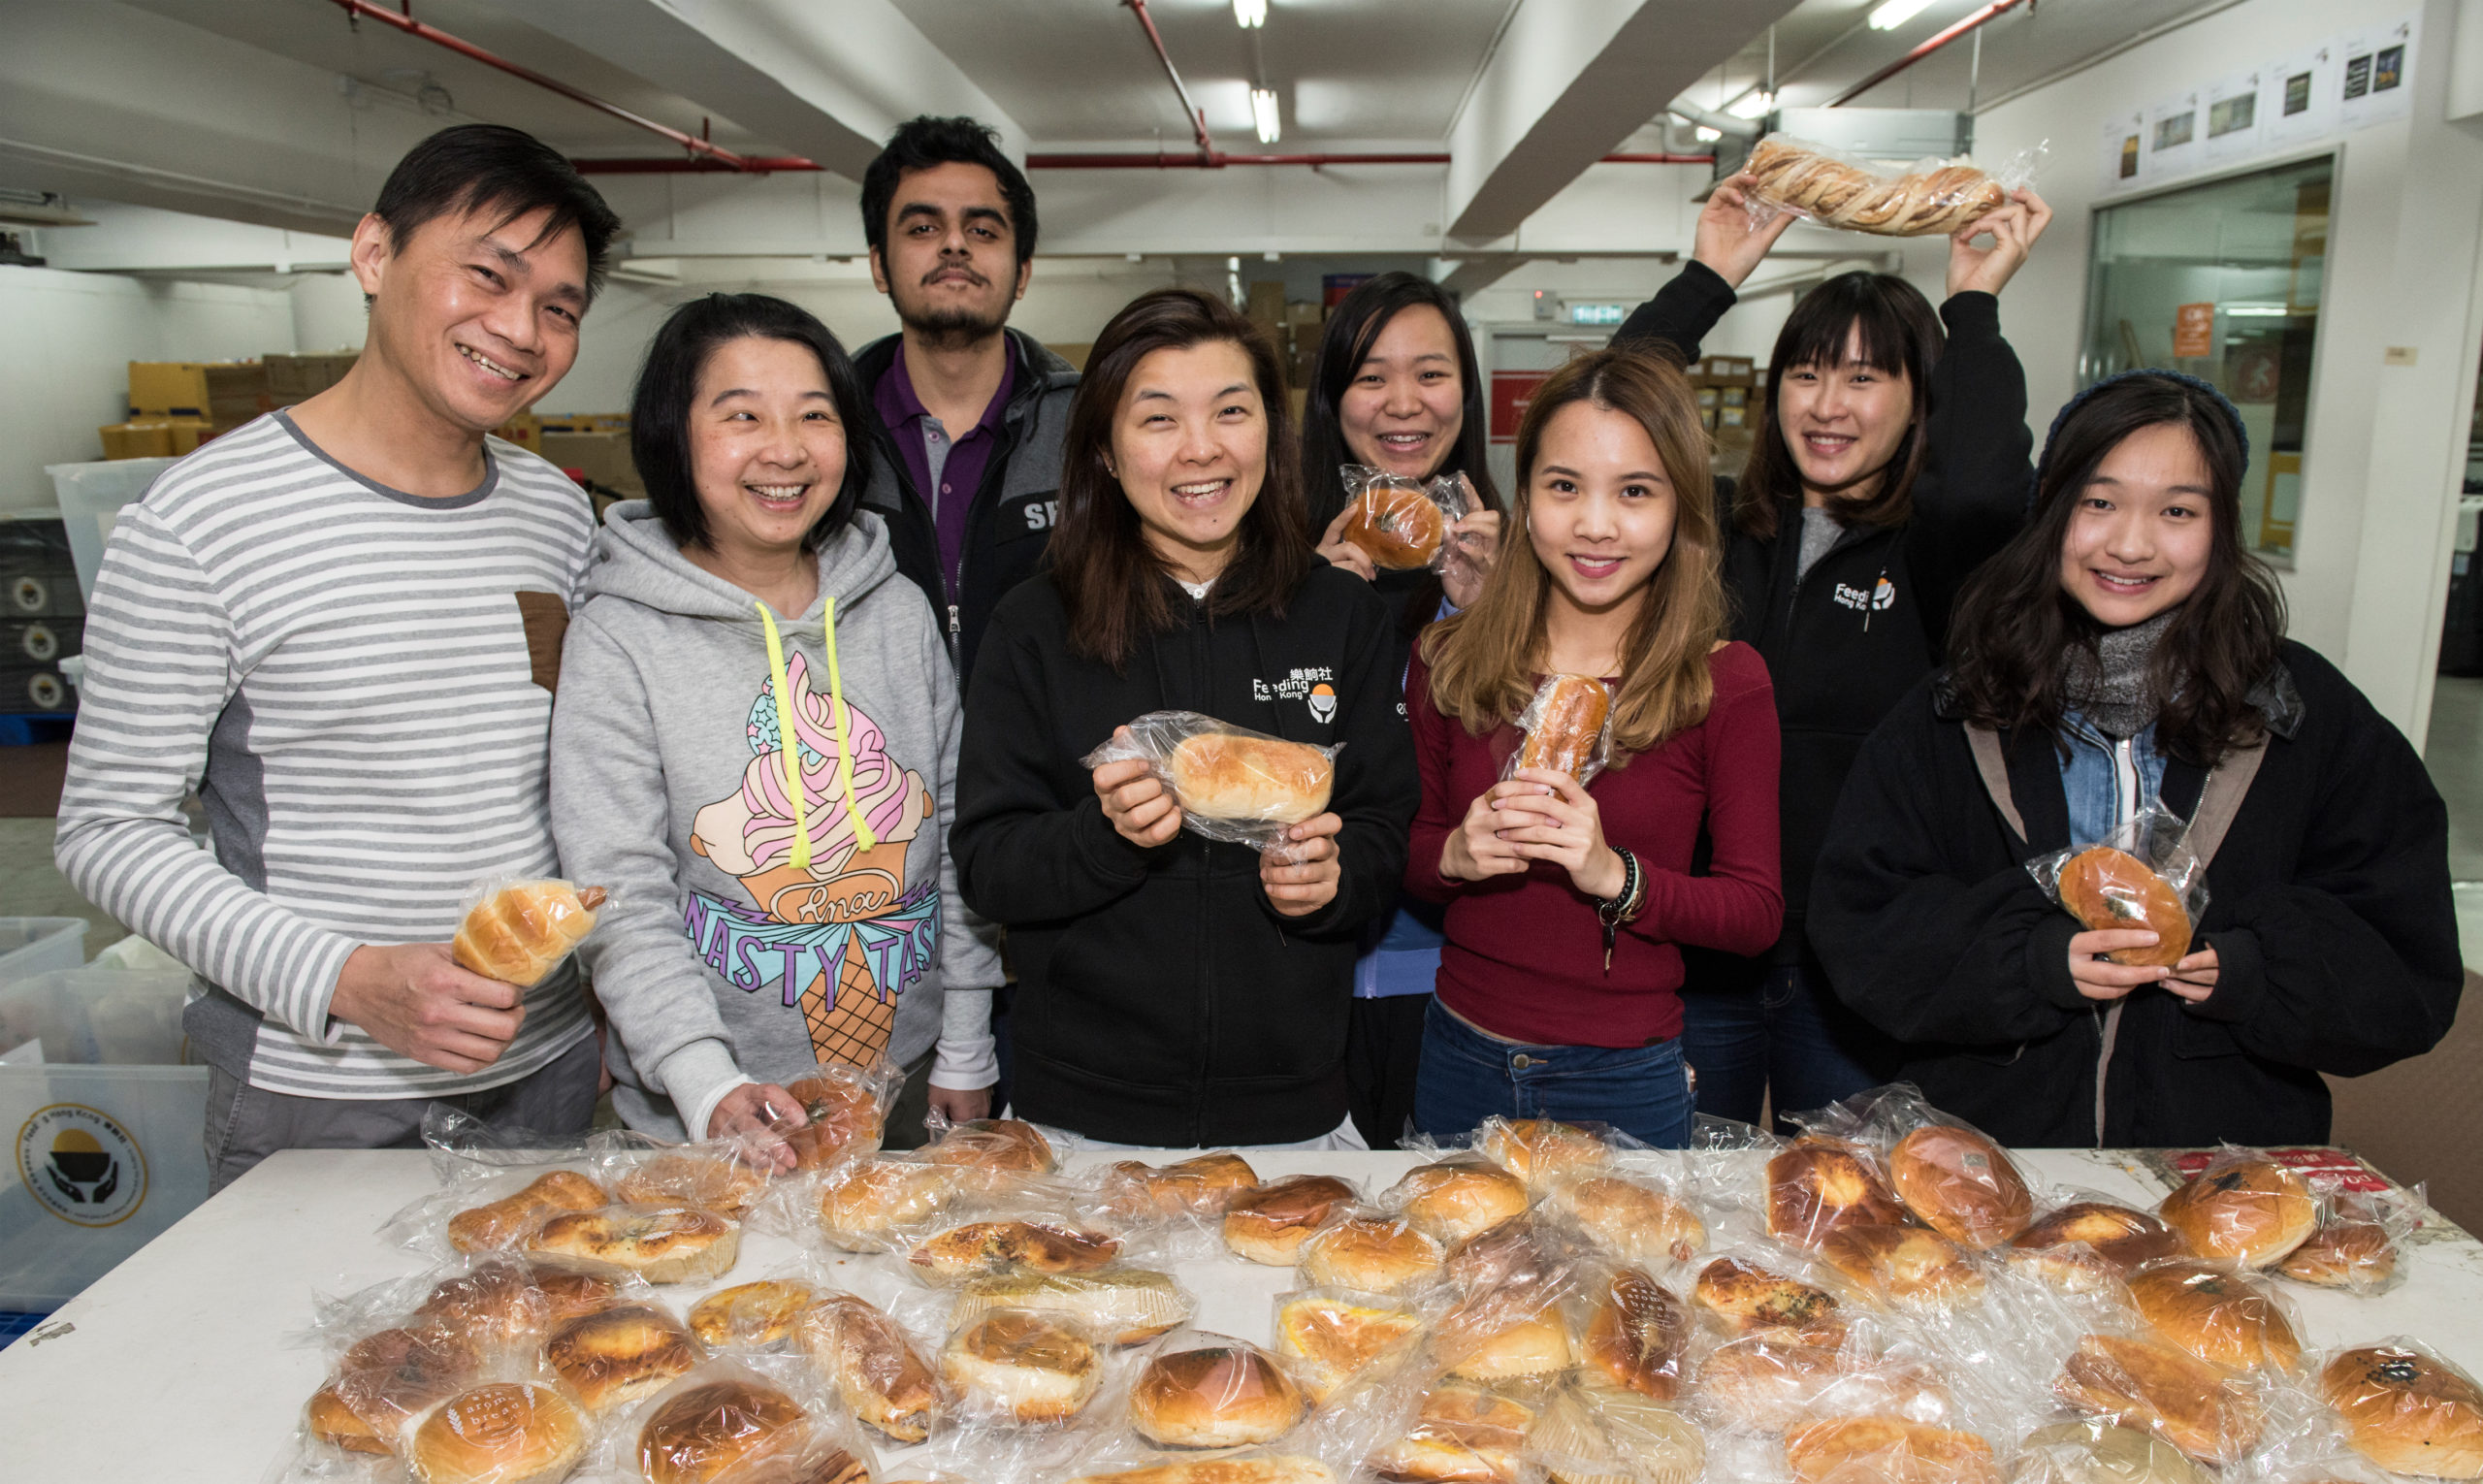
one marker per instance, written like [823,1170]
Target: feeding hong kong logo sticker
[82,1166]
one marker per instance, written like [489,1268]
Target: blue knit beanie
[2231,415]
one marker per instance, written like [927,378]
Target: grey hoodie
[717,958]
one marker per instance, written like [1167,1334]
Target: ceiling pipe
[1731,125]
[1162,160]
[1189,108]
[708,156]
[1973,20]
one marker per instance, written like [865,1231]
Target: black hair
[1353,328]
[2013,623]
[493,167]
[668,382]
[924,142]
[1900,333]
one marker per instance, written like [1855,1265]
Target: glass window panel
[2223,281]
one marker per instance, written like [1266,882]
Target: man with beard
[972,414]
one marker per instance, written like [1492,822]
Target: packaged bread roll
[2408,1410]
[2242,1207]
[873,1365]
[1216,1394]
[500,1433]
[1400,524]
[1563,728]
[2221,1317]
[1455,1199]
[1822,1183]
[519,930]
[2086,1245]
[1961,1183]
[1461,1433]
[1234,785]
[1929,199]
[1118,1306]
[2211,1416]
[1333,1338]
[1889,1450]
[2142,876]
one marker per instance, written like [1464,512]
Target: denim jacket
[2106,782]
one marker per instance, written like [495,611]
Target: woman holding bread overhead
[1892,460]
[1176,989]
[1397,389]
[757,754]
[1595,649]
[2127,650]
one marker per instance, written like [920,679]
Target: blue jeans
[1466,1077]
[1787,1040]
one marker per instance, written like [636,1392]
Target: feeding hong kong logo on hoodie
[847,934]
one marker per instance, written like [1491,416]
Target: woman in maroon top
[1567,904]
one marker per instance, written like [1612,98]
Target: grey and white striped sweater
[343,672]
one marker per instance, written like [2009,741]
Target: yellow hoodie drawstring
[790,746]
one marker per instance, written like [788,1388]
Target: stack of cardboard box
[1732,403]
[175,406]
[293,378]
[595,448]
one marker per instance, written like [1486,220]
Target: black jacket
[1845,641]
[1160,998]
[2327,905]
[1010,521]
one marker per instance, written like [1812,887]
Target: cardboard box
[1733,396]
[1266,304]
[293,378]
[1721,369]
[1301,311]
[525,429]
[1709,397]
[156,437]
[600,456]
[219,391]
[1731,417]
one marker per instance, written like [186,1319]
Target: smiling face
[1190,450]
[1601,508]
[1406,403]
[951,263]
[767,451]
[1843,423]
[477,316]
[2139,537]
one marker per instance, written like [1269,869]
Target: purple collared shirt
[947,470]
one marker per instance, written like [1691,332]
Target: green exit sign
[1598,313]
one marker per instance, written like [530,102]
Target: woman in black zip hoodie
[2126,648]
[1171,991]
[1893,460]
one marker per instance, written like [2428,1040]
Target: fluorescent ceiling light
[1263,112]
[1250,14]
[1705,135]
[1753,104]
[1891,14]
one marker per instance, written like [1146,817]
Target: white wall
[89,327]
[2385,445]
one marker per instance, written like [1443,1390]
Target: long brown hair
[1115,586]
[1900,334]
[1484,661]
[2014,624]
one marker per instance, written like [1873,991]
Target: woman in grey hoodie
[755,751]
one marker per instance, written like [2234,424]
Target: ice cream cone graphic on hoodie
[847,1007]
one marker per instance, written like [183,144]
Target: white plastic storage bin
[104,1127]
[32,946]
[91,495]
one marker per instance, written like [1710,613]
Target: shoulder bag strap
[2221,798]
[1994,769]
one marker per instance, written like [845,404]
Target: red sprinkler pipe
[708,156]
[1970,22]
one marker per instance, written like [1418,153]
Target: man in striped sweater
[340,624]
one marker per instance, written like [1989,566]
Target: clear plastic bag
[2141,876]
[1401,524]
[1768,1382]
[2359,1245]
[1639,1218]
[1179,1205]
[1587,1432]
[1233,785]
[1371,1251]
[1949,1175]
[2223,1316]
[1566,727]
[1330,1337]
[761,1314]
[1122,1305]
[864,1206]
[1634,1334]
[2093,1452]
[518,931]
[2406,1408]
[1452,1429]
[1021,1368]
[1452,1198]
[1819,1183]
[2086,1243]
[742,1422]
[617,1357]
[876,1366]
[1271,1223]
[728,1175]
[2155,1387]
[660,1243]
[1023,1236]
[845,1112]
[2244,1207]
[1541,1151]
[1247,1467]
[1212,1391]
[1930,198]
[1888,1450]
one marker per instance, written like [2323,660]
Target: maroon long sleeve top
[1525,953]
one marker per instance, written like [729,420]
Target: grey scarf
[2106,682]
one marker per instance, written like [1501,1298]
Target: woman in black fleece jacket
[2115,652]
[1893,460]
[1172,990]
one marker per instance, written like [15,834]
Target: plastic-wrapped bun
[1234,785]
[2244,1208]
[1033,1368]
[492,1226]
[2407,1411]
[1614,1437]
[873,1365]
[1904,1265]
[519,931]
[1637,1333]
[1962,1184]
[502,1433]
[1332,1339]
[1124,1306]
[1222,1468]
[1541,1150]
[1565,727]
[1459,1197]
[1819,1184]
[1630,1221]
[2087,1245]
[2140,1383]
[2221,1317]
[1462,1433]
[1220,1395]
[1753,1301]
[2104,888]
[1888,1450]
[709,1430]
